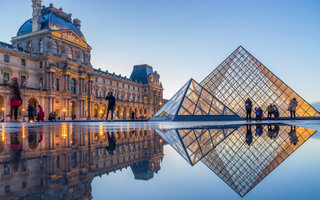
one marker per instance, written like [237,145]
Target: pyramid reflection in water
[242,156]
[192,103]
[241,76]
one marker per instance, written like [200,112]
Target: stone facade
[60,161]
[51,58]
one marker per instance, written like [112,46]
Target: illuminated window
[145,100]
[82,56]
[73,86]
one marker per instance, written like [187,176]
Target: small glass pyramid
[194,103]
[241,76]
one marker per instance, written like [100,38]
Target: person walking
[270,111]
[275,111]
[40,114]
[30,112]
[292,108]
[248,106]
[111,104]
[259,113]
[16,99]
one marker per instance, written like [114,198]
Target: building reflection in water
[241,156]
[60,161]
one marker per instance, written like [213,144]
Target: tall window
[6,58]
[23,80]
[82,56]
[23,62]
[69,52]
[96,92]
[110,82]
[41,46]
[29,47]
[73,159]
[6,77]
[56,83]
[72,86]
[55,47]
[41,64]
[103,93]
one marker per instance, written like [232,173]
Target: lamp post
[3,112]
[23,114]
[64,110]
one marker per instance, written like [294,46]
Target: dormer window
[41,46]
[69,52]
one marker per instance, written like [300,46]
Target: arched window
[55,47]
[69,52]
[29,47]
[41,46]
[73,86]
[82,56]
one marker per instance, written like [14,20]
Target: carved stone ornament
[49,45]
[63,49]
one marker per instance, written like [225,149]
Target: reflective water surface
[158,161]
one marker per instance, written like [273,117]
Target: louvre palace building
[52,60]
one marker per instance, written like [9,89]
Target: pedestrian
[112,143]
[132,115]
[270,111]
[40,114]
[111,104]
[16,99]
[275,111]
[259,113]
[293,135]
[248,135]
[270,131]
[292,108]
[30,112]
[248,106]
[259,130]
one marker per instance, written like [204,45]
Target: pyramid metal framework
[224,150]
[242,167]
[195,143]
[241,76]
[192,103]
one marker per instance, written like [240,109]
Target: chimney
[36,15]
[77,23]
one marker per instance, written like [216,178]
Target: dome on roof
[50,21]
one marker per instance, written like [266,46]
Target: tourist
[270,111]
[16,149]
[111,104]
[293,135]
[259,130]
[275,131]
[132,115]
[112,143]
[275,111]
[259,113]
[249,135]
[15,100]
[270,131]
[248,105]
[40,114]
[30,112]
[292,108]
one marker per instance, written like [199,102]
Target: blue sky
[183,38]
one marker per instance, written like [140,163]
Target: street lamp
[3,112]
[23,114]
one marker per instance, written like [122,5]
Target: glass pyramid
[195,143]
[240,162]
[241,76]
[194,103]
[243,166]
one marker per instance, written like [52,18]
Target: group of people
[272,133]
[32,111]
[272,110]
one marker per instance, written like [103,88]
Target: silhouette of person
[112,143]
[293,135]
[276,130]
[270,131]
[259,130]
[248,106]
[111,104]
[248,135]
